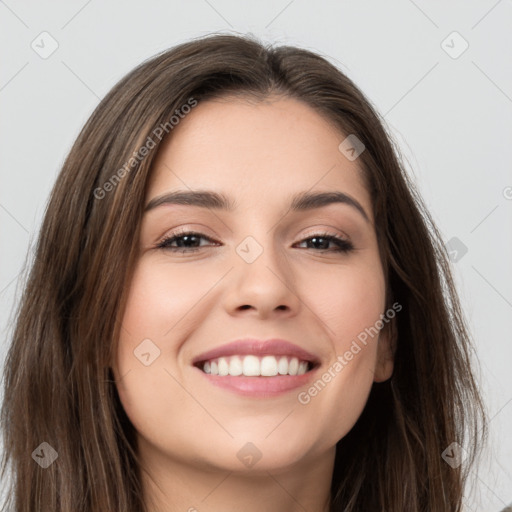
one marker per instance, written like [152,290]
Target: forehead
[256,151]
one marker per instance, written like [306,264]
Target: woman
[238,302]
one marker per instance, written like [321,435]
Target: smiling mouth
[255,366]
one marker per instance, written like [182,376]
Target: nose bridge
[263,279]
[260,252]
[258,236]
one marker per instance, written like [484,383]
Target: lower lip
[259,387]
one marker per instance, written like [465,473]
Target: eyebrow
[208,199]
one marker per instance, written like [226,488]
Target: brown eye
[188,241]
[322,241]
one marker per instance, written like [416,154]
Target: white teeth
[293,367]
[251,366]
[235,366]
[223,366]
[254,366]
[268,366]
[282,366]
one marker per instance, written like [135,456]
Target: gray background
[451,115]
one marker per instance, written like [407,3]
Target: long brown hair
[58,386]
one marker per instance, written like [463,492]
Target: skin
[189,431]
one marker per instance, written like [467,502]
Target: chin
[258,453]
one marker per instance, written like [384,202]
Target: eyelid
[328,229]
[184,231]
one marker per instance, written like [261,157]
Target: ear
[386,347]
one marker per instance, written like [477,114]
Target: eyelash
[343,246]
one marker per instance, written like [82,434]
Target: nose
[264,286]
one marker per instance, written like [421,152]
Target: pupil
[315,239]
[186,238]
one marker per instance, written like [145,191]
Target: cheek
[348,300]
[161,309]
[159,297]
[338,396]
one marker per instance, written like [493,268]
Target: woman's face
[263,270]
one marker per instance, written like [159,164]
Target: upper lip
[247,346]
